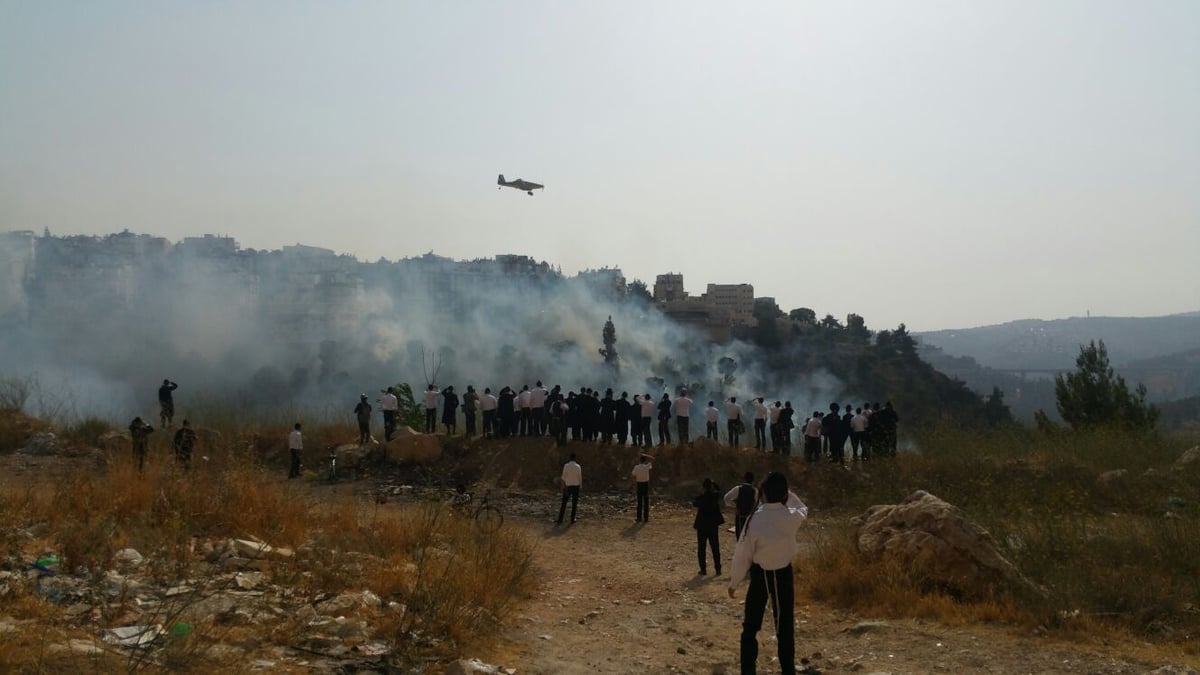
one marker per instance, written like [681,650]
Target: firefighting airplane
[519,184]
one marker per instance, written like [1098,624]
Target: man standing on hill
[765,553]
[683,411]
[431,394]
[139,435]
[708,524]
[166,403]
[641,482]
[488,405]
[647,414]
[389,405]
[744,499]
[711,415]
[812,438]
[184,442]
[621,418]
[524,411]
[450,410]
[760,424]
[362,412]
[664,420]
[733,415]
[295,449]
[470,403]
[537,409]
[571,480]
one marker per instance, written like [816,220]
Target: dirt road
[620,597]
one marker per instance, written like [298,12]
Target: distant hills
[1031,344]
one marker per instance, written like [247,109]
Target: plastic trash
[181,629]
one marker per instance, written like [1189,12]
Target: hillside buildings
[720,310]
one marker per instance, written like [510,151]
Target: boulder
[933,538]
[43,443]
[408,446]
[473,667]
[1107,478]
[1190,457]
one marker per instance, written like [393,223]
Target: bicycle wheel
[489,519]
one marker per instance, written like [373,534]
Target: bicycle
[487,516]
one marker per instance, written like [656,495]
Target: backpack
[746,499]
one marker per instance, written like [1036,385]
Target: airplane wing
[526,185]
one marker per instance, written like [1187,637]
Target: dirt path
[617,597]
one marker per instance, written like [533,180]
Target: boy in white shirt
[641,481]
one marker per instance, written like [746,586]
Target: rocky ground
[612,596]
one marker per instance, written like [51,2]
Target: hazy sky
[944,164]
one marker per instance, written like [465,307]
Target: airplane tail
[500,180]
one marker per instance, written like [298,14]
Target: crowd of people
[589,416]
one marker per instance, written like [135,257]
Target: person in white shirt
[683,409]
[431,397]
[711,415]
[773,416]
[487,406]
[812,438]
[389,405]
[765,553]
[537,409]
[647,414]
[760,424]
[641,482]
[295,449]
[858,429]
[524,415]
[733,416]
[571,480]
[744,500]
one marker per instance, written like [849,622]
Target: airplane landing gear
[530,193]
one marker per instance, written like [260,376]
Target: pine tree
[1093,396]
[609,351]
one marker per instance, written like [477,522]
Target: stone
[935,539]
[42,443]
[127,558]
[1190,457]
[1109,477]
[472,667]
[248,580]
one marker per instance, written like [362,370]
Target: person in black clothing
[831,425]
[184,442]
[786,424]
[558,421]
[362,412]
[708,523]
[608,417]
[743,499]
[470,405]
[621,418]
[166,402]
[844,430]
[449,410]
[664,420]
[139,435]
[506,414]
[888,420]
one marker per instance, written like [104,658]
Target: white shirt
[733,411]
[769,538]
[813,428]
[858,423]
[295,440]
[775,414]
[683,406]
[537,397]
[572,473]
[641,472]
[523,399]
[430,399]
[760,410]
[389,402]
[711,413]
[647,407]
[488,402]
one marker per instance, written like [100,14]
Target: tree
[830,323]
[766,331]
[856,328]
[995,411]
[637,289]
[803,315]
[1093,396]
[609,351]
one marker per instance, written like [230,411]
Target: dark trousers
[733,427]
[643,501]
[570,492]
[537,421]
[855,442]
[364,430]
[294,470]
[778,586]
[646,440]
[525,416]
[837,449]
[760,434]
[708,535]
[489,422]
[739,523]
[622,430]
[470,417]
[681,425]
[139,454]
[710,429]
[430,420]
[389,424]
[664,432]
[635,432]
[812,448]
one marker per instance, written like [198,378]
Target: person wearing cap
[363,412]
[764,553]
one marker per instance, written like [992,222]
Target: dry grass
[440,576]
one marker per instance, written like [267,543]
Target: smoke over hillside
[101,321]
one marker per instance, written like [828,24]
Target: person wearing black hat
[708,523]
[166,402]
[363,412]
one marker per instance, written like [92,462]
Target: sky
[942,164]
